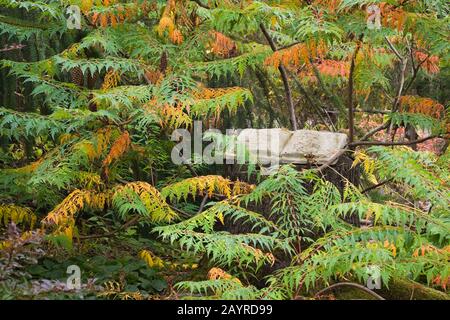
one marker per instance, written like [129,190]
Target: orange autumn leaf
[128,13]
[429,63]
[111,80]
[94,17]
[392,16]
[424,249]
[174,116]
[120,14]
[441,282]
[176,37]
[165,23]
[119,147]
[222,45]
[390,246]
[331,5]
[113,20]
[426,106]
[291,56]
[217,273]
[334,68]
[297,54]
[103,20]
[153,76]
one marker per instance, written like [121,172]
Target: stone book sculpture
[281,146]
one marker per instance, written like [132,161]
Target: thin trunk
[351,112]
[284,77]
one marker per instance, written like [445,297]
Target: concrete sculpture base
[271,146]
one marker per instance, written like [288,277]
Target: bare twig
[372,111]
[128,224]
[374,131]
[199,2]
[403,64]
[185,214]
[351,124]
[191,169]
[313,105]
[376,186]
[336,100]
[15,46]
[202,205]
[399,56]
[395,106]
[415,71]
[349,284]
[284,78]
[336,156]
[406,143]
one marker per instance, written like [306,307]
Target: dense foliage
[87,179]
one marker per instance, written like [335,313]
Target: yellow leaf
[220,217]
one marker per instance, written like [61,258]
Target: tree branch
[404,63]
[349,284]
[415,73]
[313,105]
[201,4]
[372,111]
[336,100]
[284,78]
[327,164]
[128,224]
[202,205]
[376,186]
[374,131]
[351,124]
[395,106]
[394,49]
[379,143]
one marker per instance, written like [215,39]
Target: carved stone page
[307,146]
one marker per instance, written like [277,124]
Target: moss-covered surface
[400,289]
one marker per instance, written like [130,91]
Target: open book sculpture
[274,146]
